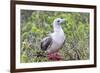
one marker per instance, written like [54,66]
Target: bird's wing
[46,42]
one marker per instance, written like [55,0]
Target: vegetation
[35,25]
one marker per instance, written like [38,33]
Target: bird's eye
[58,21]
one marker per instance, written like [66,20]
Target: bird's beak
[62,20]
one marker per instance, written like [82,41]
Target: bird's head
[58,21]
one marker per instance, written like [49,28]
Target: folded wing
[46,43]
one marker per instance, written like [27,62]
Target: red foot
[54,57]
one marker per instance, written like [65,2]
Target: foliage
[35,25]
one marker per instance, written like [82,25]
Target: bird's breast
[59,37]
[58,40]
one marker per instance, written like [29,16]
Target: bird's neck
[57,28]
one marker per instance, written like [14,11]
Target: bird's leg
[54,56]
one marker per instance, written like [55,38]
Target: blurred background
[35,25]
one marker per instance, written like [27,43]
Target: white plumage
[55,40]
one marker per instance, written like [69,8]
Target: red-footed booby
[52,43]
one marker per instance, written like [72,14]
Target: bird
[54,41]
